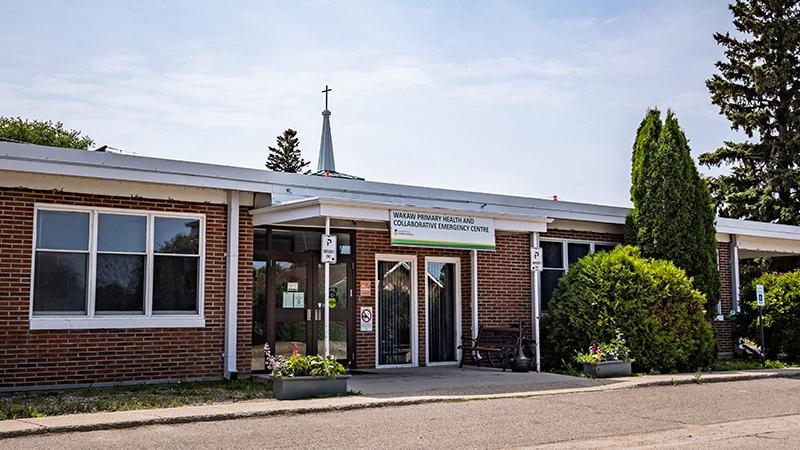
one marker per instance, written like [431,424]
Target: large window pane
[62,230]
[60,282]
[604,247]
[553,254]
[121,233]
[180,236]
[576,252]
[549,282]
[175,284]
[120,283]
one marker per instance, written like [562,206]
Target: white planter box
[293,388]
[608,369]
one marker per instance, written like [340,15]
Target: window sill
[95,323]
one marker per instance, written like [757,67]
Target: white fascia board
[769,245]
[757,229]
[58,161]
[517,225]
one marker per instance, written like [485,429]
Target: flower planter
[293,388]
[608,369]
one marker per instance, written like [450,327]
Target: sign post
[760,302]
[328,257]
[537,260]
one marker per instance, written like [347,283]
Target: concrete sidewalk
[262,408]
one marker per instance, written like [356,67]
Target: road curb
[107,421]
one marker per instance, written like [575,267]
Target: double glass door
[296,308]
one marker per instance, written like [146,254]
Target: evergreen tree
[645,145]
[673,210]
[286,157]
[758,90]
[39,132]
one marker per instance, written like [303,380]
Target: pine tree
[286,157]
[673,210]
[758,90]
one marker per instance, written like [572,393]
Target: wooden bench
[492,343]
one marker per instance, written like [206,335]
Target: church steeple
[326,167]
[326,162]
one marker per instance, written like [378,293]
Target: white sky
[531,98]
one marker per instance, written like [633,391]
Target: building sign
[366,318]
[422,229]
[365,288]
[328,249]
[536,259]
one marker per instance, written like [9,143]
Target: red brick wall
[583,236]
[504,285]
[45,357]
[726,334]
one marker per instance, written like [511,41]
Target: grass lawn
[122,398]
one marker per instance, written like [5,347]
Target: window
[558,256]
[106,268]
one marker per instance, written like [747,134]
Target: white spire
[325,162]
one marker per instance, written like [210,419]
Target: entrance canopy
[759,239]
[344,213]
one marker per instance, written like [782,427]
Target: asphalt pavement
[742,414]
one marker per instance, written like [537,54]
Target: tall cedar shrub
[644,147]
[781,314]
[286,157]
[650,301]
[673,214]
[757,88]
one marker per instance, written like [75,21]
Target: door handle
[308,315]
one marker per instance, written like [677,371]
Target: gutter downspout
[231,286]
[536,300]
[735,272]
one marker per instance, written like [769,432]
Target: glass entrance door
[396,312]
[292,304]
[442,311]
[295,296]
[339,309]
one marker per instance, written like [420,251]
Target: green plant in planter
[303,366]
[599,352]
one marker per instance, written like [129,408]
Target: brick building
[118,268]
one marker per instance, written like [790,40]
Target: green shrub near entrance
[651,302]
[781,315]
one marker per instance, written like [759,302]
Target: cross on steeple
[327,89]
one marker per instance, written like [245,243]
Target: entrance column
[474,296]
[536,299]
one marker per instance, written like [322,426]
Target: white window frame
[91,320]
[565,251]
[412,259]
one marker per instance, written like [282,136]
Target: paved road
[747,414]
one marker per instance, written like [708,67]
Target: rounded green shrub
[781,314]
[651,302]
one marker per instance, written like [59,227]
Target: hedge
[651,302]
[781,314]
